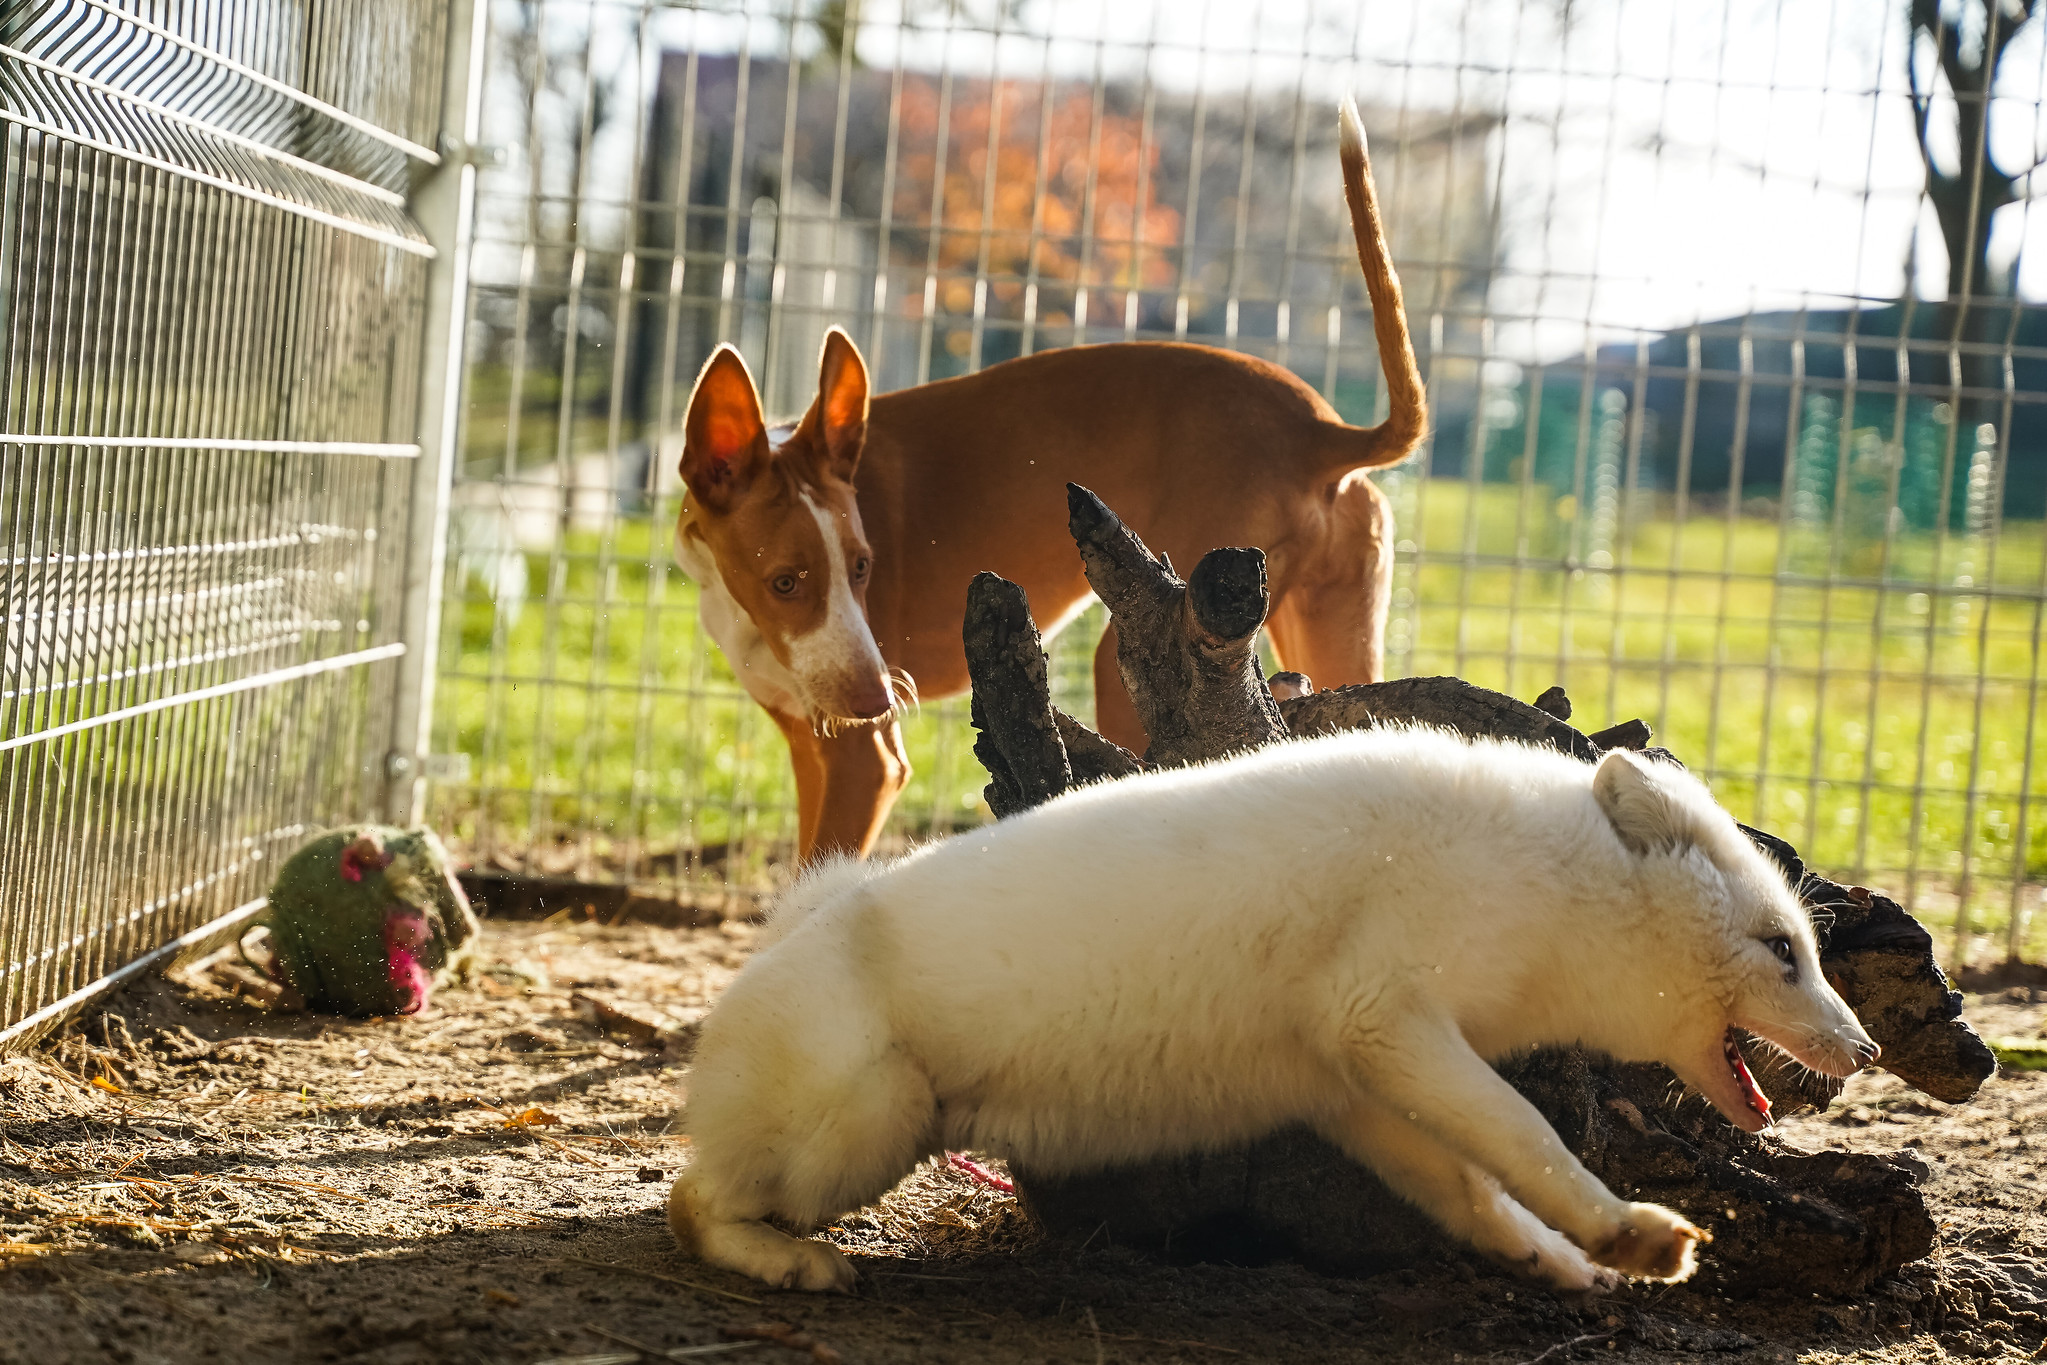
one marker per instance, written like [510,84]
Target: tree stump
[1828,1223]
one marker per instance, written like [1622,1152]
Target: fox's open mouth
[1751,1094]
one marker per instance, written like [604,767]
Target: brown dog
[834,554]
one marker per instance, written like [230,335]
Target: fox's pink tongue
[1750,1091]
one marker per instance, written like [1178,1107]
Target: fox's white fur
[1340,932]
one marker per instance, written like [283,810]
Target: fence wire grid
[211,322]
[1725,435]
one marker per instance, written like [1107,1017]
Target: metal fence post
[443,204]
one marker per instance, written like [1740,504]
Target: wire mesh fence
[1736,422]
[211,323]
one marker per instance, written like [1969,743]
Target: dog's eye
[1781,946]
[785,585]
[860,566]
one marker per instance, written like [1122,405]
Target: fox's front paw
[1555,1261]
[1652,1243]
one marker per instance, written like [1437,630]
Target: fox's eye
[785,585]
[1781,946]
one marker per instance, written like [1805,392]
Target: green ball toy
[367,920]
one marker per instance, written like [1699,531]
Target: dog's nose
[870,701]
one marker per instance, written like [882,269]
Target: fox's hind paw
[784,1262]
[1652,1243]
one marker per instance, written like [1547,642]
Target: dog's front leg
[1425,1072]
[808,765]
[864,769]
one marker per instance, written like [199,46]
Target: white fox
[1338,932]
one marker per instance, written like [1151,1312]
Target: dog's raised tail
[1407,419]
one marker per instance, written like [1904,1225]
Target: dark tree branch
[1187,652]
[1449,703]
[1092,757]
[1019,741]
[1921,105]
[1967,199]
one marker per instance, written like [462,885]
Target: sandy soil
[187,1177]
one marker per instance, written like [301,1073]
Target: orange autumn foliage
[1129,243]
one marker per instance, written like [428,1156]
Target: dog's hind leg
[1467,1202]
[1329,621]
[800,1109]
[1115,714]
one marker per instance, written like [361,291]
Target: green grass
[609,735]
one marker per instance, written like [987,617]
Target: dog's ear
[839,417]
[1646,814]
[724,438]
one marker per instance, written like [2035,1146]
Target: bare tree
[838,22]
[1968,40]
[585,101]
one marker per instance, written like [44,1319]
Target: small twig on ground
[657,1275]
[718,1348]
[1166,1341]
[1567,1345]
[622,1339]
[783,1335]
[1096,1327]
[298,1184]
[908,1275]
[569,1151]
[538,1219]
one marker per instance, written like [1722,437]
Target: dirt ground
[185,1176]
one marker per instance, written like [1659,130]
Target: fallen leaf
[102,1083]
[535,1115]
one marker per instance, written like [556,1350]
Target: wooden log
[1093,758]
[1555,702]
[1031,749]
[1019,741]
[1450,703]
[1828,1222]
[1881,961]
[1188,652]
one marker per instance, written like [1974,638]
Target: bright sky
[1663,161]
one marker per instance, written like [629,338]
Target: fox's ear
[724,438]
[1646,814]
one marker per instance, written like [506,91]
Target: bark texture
[1188,651]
